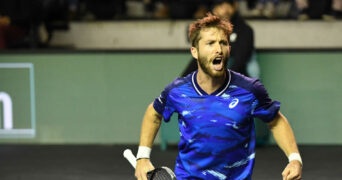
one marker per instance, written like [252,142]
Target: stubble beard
[205,66]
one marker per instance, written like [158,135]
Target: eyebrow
[220,41]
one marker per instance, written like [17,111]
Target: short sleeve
[163,105]
[265,108]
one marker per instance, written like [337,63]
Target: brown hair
[208,22]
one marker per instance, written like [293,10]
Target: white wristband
[295,156]
[143,152]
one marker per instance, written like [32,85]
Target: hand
[293,171]
[143,166]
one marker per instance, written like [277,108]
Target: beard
[204,64]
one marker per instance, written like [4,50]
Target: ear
[194,52]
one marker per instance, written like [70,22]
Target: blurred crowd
[20,19]
[189,9]
[270,9]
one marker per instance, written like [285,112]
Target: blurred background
[82,72]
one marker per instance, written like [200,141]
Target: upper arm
[266,109]
[152,112]
[164,104]
[275,120]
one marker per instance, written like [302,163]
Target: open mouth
[218,65]
[217,61]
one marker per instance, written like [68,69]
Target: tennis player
[216,107]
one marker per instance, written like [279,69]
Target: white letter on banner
[7,110]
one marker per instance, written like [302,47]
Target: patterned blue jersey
[217,134]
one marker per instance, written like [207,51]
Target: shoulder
[241,80]
[243,25]
[179,82]
[249,28]
[248,31]
[252,85]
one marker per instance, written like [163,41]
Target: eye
[210,42]
[225,43]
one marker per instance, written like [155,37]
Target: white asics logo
[234,102]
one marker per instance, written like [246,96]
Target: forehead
[212,33]
[224,5]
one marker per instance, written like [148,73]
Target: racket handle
[130,157]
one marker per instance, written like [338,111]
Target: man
[241,39]
[216,107]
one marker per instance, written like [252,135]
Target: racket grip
[130,157]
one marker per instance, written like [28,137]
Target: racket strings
[160,174]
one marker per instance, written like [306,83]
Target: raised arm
[284,136]
[149,128]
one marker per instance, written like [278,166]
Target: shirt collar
[218,92]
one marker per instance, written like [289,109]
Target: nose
[218,48]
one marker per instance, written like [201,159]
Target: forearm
[150,126]
[285,138]
[283,134]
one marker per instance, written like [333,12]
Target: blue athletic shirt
[217,134]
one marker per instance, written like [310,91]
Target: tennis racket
[160,173]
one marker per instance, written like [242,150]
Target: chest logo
[234,102]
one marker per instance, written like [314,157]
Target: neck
[209,84]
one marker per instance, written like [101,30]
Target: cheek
[204,51]
[203,58]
